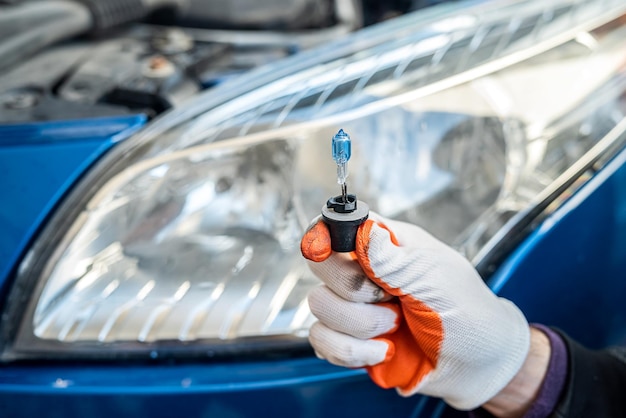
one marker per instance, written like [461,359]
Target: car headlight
[467,119]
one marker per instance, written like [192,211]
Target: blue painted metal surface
[571,272]
[39,162]
[289,388]
[109,129]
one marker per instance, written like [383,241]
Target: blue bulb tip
[341,147]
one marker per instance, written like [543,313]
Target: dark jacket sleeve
[579,382]
[596,383]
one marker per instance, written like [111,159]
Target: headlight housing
[468,120]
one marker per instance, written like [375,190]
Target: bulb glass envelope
[463,119]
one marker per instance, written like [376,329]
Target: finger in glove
[347,351]
[360,320]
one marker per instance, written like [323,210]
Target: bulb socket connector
[343,219]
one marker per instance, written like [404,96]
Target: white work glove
[414,312]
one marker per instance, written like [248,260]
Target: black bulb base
[343,220]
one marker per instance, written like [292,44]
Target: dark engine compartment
[64,60]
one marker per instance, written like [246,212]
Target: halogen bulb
[343,214]
[342,149]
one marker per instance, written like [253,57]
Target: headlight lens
[462,121]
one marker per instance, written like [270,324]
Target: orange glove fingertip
[315,244]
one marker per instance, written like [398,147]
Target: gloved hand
[414,312]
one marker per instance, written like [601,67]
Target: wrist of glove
[414,312]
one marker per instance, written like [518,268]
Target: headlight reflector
[189,232]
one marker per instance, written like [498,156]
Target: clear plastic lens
[196,248]
[457,127]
